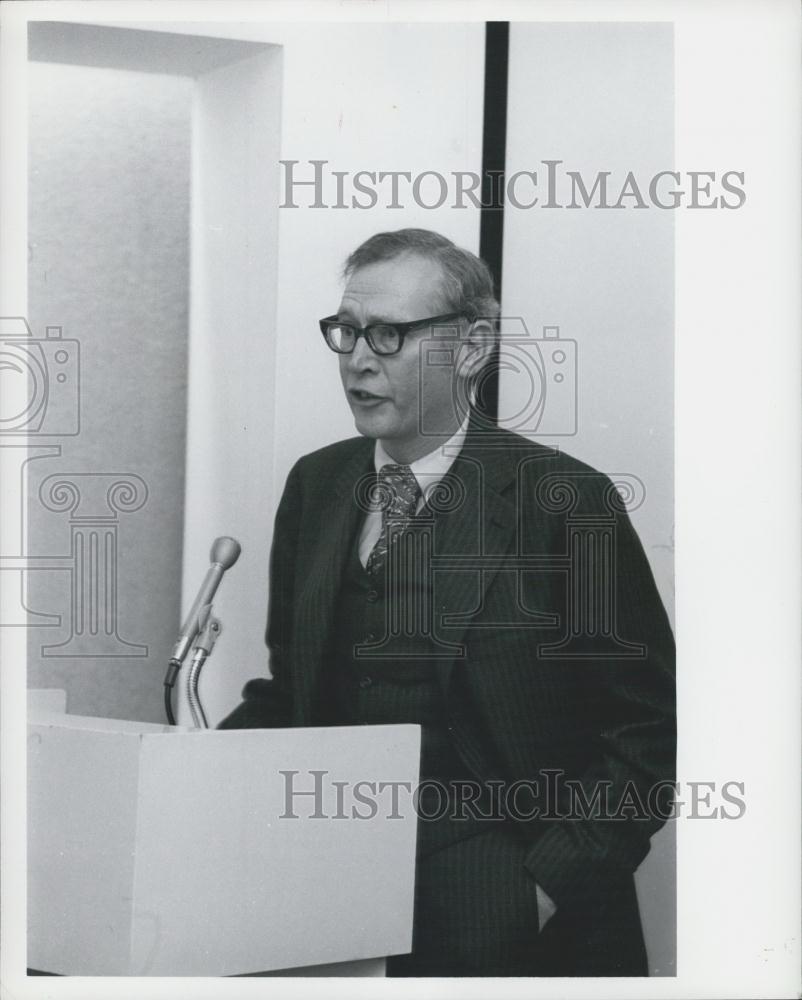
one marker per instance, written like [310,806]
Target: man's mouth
[365,398]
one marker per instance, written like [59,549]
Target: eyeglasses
[381,338]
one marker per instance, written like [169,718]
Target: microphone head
[225,551]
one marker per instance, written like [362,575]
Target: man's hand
[546,907]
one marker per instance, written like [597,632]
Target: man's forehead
[404,282]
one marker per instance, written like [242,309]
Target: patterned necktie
[398,489]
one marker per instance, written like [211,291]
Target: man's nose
[362,357]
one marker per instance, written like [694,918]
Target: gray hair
[467,280]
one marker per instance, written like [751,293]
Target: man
[438,570]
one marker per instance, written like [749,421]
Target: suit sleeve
[267,701]
[634,760]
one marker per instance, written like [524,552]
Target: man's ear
[478,343]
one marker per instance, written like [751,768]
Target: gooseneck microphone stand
[203,647]
[201,650]
[199,632]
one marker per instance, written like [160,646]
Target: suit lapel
[481,523]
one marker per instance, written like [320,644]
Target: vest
[377,674]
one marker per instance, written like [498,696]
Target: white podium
[156,850]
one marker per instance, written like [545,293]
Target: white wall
[109,263]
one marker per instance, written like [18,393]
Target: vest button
[365,682]
[373,596]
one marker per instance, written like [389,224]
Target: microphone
[225,552]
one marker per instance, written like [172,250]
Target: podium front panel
[162,851]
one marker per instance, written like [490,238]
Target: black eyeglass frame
[402,329]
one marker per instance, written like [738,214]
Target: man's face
[384,392]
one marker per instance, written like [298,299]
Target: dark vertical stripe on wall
[494,150]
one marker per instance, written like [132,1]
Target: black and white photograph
[401,525]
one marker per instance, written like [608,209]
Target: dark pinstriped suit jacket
[520,700]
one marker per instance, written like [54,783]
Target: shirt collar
[430,468]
